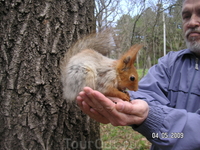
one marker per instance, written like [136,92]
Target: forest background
[155,23]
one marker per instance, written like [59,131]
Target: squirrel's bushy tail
[101,42]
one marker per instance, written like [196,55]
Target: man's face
[191,24]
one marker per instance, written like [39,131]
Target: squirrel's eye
[132,78]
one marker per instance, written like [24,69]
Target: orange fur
[125,70]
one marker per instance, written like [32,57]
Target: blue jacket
[172,90]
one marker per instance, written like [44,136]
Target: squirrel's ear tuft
[127,60]
[131,54]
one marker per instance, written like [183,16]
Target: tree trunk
[34,36]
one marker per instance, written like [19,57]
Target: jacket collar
[187,52]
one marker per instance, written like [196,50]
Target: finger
[132,113]
[79,101]
[115,99]
[89,99]
[132,108]
[125,107]
[90,111]
[140,107]
[102,103]
[98,101]
[93,114]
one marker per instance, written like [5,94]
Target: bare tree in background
[34,36]
[106,12]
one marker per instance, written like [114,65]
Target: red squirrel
[83,66]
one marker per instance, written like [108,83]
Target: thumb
[120,106]
[125,107]
[130,108]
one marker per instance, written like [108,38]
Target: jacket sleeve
[165,127]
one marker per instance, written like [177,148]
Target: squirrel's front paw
[126,97]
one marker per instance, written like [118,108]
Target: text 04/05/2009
[176,135]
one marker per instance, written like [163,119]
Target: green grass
[123,138]
[141,72]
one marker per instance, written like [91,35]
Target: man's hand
[112,110]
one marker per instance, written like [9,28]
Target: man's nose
[194,21]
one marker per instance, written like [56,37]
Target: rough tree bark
[33,38]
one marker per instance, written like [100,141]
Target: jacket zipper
[197,64]
[196,69]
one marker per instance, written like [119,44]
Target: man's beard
[193,43]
